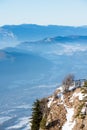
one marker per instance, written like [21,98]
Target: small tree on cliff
[68,80]
[36,116]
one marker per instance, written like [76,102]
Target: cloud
[66,49]
[70,49]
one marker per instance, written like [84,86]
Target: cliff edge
[64,109]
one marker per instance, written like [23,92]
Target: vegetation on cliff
[65,109]
[36,116]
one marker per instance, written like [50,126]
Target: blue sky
[44,12]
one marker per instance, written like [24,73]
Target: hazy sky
[59,12]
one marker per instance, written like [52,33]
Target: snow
[23,122]
[71,99]
[48,40]
[54,102]
[50,101]
[83,110]
[69,124]
[62,98]
[59,103]
[79,95]
[72,87]
[70,112]
[60,88]
[4,119]
[59,95]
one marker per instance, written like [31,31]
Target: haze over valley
[34,61]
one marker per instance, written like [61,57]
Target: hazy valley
[33,65]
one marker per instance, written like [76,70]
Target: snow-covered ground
[79,95]
[69,124]
[49,102]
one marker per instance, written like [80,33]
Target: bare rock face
[67,111]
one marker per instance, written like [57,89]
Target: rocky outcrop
[68,110]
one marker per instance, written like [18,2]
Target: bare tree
[67,82]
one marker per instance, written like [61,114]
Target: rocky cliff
[67,110]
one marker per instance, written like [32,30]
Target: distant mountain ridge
[58,39]
[32,32]
[72,38]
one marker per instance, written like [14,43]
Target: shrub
[43,123]
[79,114]
[68,80]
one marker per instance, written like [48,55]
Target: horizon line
[42,25]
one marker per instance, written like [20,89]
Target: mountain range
[32,32]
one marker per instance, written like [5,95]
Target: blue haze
[35,69]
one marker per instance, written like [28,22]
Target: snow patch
[59,103]
[62,98]
[79,95]
[59,95]
[50,101]
[69,124]
[60,88]
[83,110]
[72,87]
[48,40]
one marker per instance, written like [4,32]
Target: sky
[43,12]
